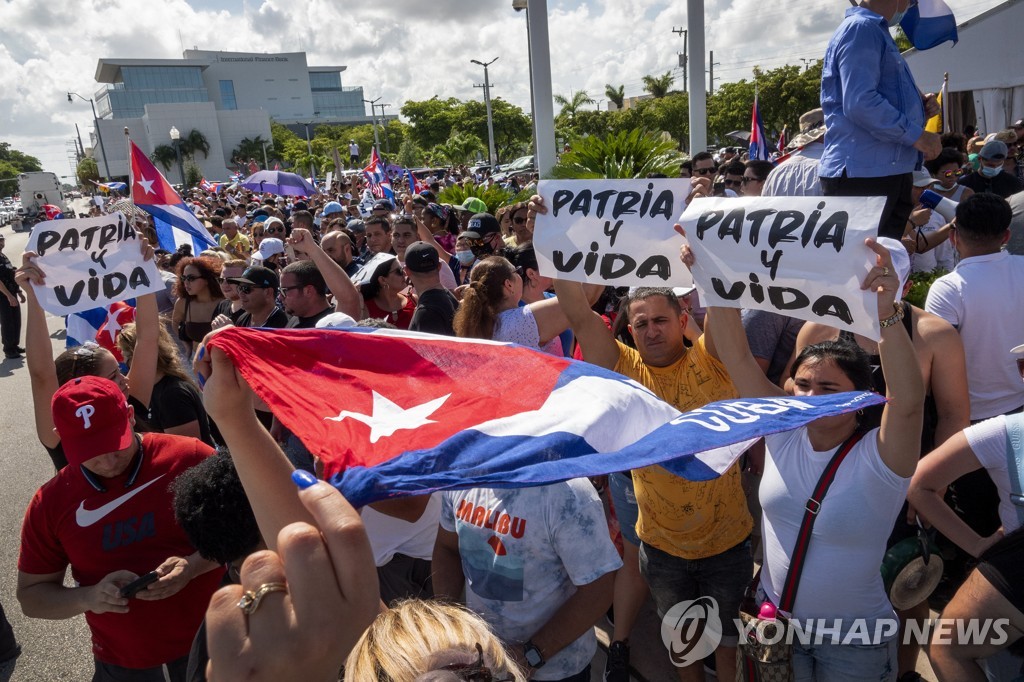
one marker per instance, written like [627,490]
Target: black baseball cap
[481,226]
[258,276]
[382,205]
[422,257]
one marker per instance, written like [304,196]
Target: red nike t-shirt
[130,528]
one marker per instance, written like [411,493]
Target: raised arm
[733,351]
[39,353]
[594,337]
[899,438]
[345,293]
[552,319]
[142,373]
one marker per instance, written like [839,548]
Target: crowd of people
[204,544]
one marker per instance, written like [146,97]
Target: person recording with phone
[109,516]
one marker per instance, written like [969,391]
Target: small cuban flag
[929,23]
[758,144]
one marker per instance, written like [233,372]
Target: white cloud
[399,49]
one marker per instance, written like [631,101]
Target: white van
[37,190]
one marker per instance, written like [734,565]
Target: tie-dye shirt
[524,551]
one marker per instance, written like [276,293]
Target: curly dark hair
[208,267]
[211,507]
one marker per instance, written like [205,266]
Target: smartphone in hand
[139,584]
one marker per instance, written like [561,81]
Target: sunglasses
[519,221]
[704,171]
[284,290]
[953,173]
[190,278]
[275,230]
[247,288]
[477,672]
[733,183]
[747,179]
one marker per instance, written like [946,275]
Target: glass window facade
[227,95]
[341,103]
[142,85]
[325,82]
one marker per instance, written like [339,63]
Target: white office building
[227,96]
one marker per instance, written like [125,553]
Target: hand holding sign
[91,263]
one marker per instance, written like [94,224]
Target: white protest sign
[803,257]
[614,232]
[90,263]
[330,179]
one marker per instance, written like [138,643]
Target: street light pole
[540,77]
[492,157]
[309,149]
[373,114]
[176,142]
[99,135]
[384,127]
[520,6]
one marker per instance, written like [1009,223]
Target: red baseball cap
[92,418]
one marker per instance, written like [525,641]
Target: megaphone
[943,206]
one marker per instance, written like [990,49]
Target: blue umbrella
[279,182]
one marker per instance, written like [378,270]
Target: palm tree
[252,148]
[658,86]
[627,154]
[570,105]
[616,95]
[194,142]
[458,148]
[165,155]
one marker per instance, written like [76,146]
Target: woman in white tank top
[840,588]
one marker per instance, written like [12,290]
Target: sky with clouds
[400,49]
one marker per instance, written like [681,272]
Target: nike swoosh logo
[87,517]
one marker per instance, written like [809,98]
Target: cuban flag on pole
[929,23]
[100,325]
[394,413]
[380,185]
[175,223]
[415,184]
[758,143]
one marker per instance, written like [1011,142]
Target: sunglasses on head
[475,672]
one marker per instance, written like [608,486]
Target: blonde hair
[167,360]
[404,642]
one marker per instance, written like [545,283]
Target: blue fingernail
[303,478]
[202,381]
[201,353]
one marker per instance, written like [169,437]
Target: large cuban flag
[174,221]
[101,326]
[928,23]
[395,413]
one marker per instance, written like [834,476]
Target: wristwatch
[533,656]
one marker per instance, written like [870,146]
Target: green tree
[494,196]
[628,154]
[902,41]
[13,163]
[164,155]
[616,95]
[573,103]
[252,148]
[87,171]
[432,120]
[192,174]
[658,86]
[409,154]
[459,148]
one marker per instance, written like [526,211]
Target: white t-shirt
[518,325]
[390,536]
[988,441]
[981,298]
[939,257]
[841,576]
[524,551]
[797,176]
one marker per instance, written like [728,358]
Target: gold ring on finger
[250,601]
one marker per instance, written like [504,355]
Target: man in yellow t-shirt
[233,241]
[694,535]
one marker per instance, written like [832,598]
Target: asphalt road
[51,650]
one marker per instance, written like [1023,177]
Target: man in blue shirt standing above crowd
[874,114]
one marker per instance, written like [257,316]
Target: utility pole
[682,55]
[807,63]
[80,150]
[697,97]
[373,113]
[492,157]
[309,149]
[711,72]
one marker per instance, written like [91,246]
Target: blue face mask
[465,257]
[898,17]
[990,172]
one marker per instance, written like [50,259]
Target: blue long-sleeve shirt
[873,109]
